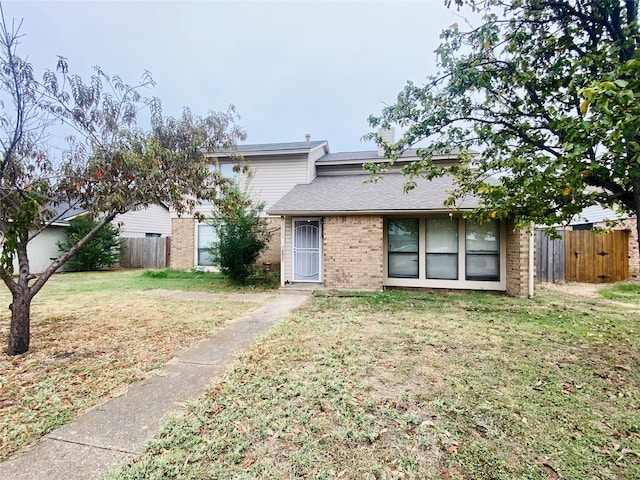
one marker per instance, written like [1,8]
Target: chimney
[388,136]
[307,139]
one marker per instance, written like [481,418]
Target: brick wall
[517,251]
[182,243]
[272,252]
[353,252]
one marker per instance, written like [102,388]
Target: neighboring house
[336,230]
[153,221]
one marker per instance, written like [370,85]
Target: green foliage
[242,235]
[103,250]
[110,165]
[547,92]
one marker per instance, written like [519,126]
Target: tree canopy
[542,94]
[68,143]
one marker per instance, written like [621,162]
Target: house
[337,230]
[153,221]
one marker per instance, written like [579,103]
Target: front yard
[408,385]
[351,386]
[95,333]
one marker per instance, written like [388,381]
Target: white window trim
[204,268]
[460,283]
[293,246]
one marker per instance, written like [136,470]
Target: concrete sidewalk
[111,433]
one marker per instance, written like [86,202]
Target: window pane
[442,235]
[403,235]
[482,237]
[442,266]
[483,267]
[206,237]
[403,265]
[226,170]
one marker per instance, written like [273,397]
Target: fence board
[550,258]
[145,252]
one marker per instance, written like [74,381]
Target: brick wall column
[183,243]
[517,251]
[353,252]
[272,253]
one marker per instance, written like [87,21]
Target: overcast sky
[290,68]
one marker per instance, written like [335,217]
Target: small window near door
[402,241]
[206,237]
[482,251]
[442,248]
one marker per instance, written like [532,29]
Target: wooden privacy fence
[549,258]
[583,256]
[146,252]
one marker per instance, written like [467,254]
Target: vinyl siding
[273,177]
[311,163]
[154,219]
[42,248]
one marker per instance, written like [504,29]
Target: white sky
[290,68]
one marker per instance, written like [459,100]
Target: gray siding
[274,177]
[154,219]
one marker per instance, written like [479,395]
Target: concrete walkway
[118,430]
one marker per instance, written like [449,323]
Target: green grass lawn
[95,333]
[407,385]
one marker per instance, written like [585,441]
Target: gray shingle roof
[360,156]
[349,193]
[274,147]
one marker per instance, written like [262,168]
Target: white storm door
[307,235]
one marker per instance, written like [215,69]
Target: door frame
[295,220]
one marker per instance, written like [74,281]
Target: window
[443,251]
[482,247]
[206,237]
[403,247]
[442,248]
[152,235]
[226,170]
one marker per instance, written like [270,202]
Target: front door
[307,235]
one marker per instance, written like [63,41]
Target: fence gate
[592,257]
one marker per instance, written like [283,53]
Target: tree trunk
[19,334]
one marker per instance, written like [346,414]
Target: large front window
[440,251]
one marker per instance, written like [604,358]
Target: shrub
[242,236]
[102,251]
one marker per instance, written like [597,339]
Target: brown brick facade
[182,243]
[517,252]
[353,252]
[272,252]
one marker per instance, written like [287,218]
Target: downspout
[531,260]
[283,243]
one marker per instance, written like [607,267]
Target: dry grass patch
[399,385]
[92,335]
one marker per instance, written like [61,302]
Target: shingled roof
[352,194]
[270,148]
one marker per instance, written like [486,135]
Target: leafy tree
[242,235]
[102,251]
[547,91]
[107,166]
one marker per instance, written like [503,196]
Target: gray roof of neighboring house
[350,194]
[273,147]
[372,155]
